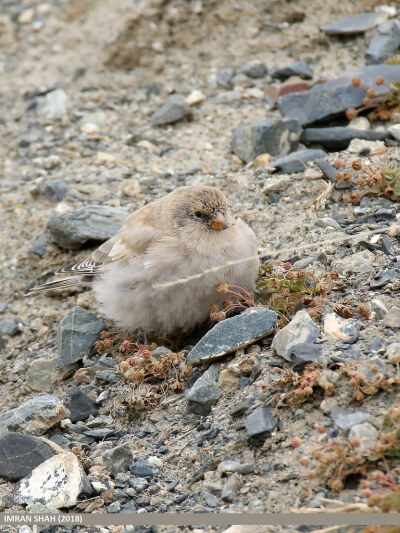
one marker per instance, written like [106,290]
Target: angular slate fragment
[335,96]
[348,420]
[20,454]
[118,459]
[205,392]
[359,23]
[329,170]
[39,247]
[302,354]
[300,330]
[274,136]
[295,162]
[338,138]
[76,334]
[173,109]
[299,68]
[234,333]
[254,70]
[383,278]
[260,423]
[143,468]
[241,407]
[79,404]
[385,44]
[9,327]
[90,223]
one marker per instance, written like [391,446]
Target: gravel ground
[80,83]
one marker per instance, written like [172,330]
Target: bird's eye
[198,214]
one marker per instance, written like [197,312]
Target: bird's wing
[139,230]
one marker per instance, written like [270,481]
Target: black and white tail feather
[82,273]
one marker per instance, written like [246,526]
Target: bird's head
[200,210]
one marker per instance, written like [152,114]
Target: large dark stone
[334,97]
[20,454]
[303,354]
[338,138]
[359,23]
[79,404]
[274,136]
[90,223]
[142,468]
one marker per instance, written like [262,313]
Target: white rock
[379,309]
[195,97]
[54,106]
[98,486]
[340,328]
[327,222]
[390,11]
[155,461]
[276,185]
[368,436]
[58,482]
[26,16]
[359,123]
[356,145]
[395,131]
[89,128]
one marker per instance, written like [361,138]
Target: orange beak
[218,222]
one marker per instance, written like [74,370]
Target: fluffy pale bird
[160,272]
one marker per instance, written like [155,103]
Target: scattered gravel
[100,116]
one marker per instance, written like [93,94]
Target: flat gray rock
[260,423]
[76,334]
[295,162]
[234,333]
[359,23]
[118,459]
[385,43]
[20,454]
[173,109]
[90,223]
[299,68]
[35,416]
[43,373]
[58,482]
[392,318]
[339,137]
[358,263]
[205,392]
[348,420]
[334,97]
[274,136]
